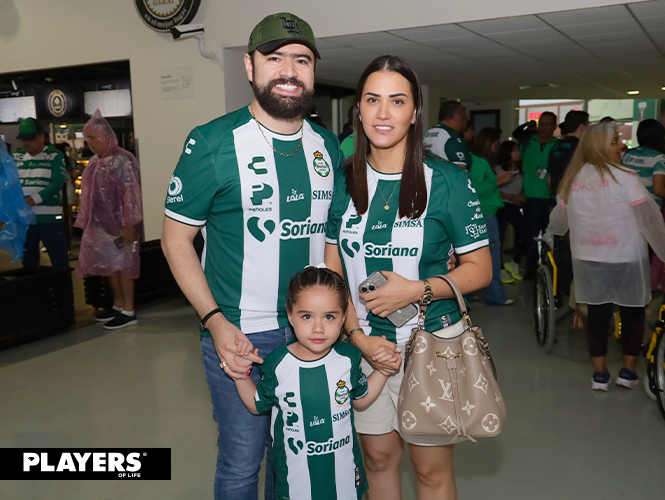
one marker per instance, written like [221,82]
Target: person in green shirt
[445,139]
[486,184]
[535,159]
[41,168]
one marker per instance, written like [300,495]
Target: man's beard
[283,107]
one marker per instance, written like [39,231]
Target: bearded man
[258,182]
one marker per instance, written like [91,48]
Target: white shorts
[381,416]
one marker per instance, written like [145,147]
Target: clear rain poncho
[110,200]
[610,224]
[15,213]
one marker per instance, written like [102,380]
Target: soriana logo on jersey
[162,15]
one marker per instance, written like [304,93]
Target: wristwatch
[427,297]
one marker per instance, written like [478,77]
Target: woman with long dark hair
[509,160]
[611,216]
[399,213]
[486,183]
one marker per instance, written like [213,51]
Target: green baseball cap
[280,29]
[29,128]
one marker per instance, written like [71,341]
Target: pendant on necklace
[387,207]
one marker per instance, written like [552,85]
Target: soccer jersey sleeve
[265,392]
[194,183]
[463,217]
[337,208]
[659,167]
[358,378]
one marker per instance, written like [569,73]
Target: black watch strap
[208,316]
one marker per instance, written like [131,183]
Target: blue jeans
[52,234]
[495,293]
[243,437]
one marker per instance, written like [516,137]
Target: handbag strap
[459,298]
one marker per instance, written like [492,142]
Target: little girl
[310,384]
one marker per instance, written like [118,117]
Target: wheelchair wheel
[660,373]
[544,308]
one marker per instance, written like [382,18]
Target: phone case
[398,318]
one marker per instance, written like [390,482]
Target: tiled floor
[144,386]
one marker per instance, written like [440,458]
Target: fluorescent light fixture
[633,92]
[662,88]
[63,126]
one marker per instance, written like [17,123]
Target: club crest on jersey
[342,393]
[321,167]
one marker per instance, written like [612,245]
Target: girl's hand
[243,347]
[394,295]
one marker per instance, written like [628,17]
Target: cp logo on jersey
[355,247]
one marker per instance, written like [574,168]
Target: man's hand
[224,335]
[394,295]
[30,201]
[128,235]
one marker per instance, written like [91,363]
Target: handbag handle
[457,292]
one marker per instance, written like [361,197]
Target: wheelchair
[553,280]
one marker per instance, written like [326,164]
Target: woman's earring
[360,118]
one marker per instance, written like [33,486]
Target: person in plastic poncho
[611,216]
[15,214]
[109,213]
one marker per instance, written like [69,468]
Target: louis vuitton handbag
[449,392]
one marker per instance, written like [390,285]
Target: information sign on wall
[162,15]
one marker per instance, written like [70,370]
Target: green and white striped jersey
[379,240]
[646,163]
[42,177]
[264,215]
[315,451]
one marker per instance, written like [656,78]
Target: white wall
[36,34]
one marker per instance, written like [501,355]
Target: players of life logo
[341,393]
[321,166]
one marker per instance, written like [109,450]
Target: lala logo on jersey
[321,167]
[260,231]
[342,393]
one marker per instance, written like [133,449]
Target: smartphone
[118,242]
[398,318]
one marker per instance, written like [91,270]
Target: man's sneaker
[506,277]
[599,382]
[106,315]
[121,321]
[627,378]
[514,269]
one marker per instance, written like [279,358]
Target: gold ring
[223,364]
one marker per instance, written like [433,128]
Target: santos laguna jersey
[264,215]
[379,240]
[315,452]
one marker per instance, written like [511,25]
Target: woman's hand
[128,235]
[394,295]
[376,351]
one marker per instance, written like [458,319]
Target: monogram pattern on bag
[481,383]
[490,422]
[448,425]
[409,420]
